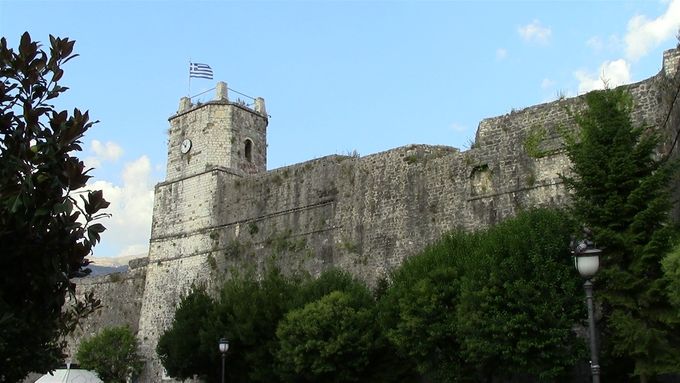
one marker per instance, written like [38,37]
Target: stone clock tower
[209,144]
[217,134]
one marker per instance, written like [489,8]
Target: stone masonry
[220,210]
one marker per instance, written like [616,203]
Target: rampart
[362,214]
[121,299]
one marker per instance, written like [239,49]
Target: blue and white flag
[200,71]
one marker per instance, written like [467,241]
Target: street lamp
[587,261]
[224,346]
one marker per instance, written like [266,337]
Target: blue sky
[337,76]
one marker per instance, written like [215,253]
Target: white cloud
[535,32]
[129,226]
[547,83]
[611,73]
[458,128]
[644,34]
[109,152]
[501,54]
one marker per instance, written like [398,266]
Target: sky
[336,76]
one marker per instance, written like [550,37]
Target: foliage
[45,231]
[482,306]
[671,270]
[533,140]
[331,280]
[620,191]
[328,340]
[418,310]
[246,314]
[520,298]
[331,335]
[112,354]
[179,348]
[249,311]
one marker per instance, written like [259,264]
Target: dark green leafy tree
[313,289]
[328,340]
[112,354]
[332,335]
[620,189]
[179,348]
[247,314]
[418,311]
[496,304]
[46,220]
[520,298]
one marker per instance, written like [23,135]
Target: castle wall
[363,214]
[121,302]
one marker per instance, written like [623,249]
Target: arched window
[249,150]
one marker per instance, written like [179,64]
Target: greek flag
[200,71]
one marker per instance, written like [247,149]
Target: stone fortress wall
[219,211]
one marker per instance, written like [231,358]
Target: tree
[331,334]
[45,231]
[496,304]
[520,298]
[620,189]
[247,314]
[112,354]
[179,348]
[328,340]
[418,312]
[671,270]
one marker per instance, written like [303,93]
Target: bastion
[219,210]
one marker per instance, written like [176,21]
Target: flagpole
[189,94]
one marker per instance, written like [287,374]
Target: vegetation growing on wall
[533,140]
[281,242]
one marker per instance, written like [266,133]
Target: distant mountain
[114,261]
[110,265]
[103,270]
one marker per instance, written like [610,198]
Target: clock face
[186,146]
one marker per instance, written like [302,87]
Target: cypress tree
[620,189]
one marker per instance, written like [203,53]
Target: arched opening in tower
[249,150]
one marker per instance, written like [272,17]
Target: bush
[495,304]
[112,354]
[328,340]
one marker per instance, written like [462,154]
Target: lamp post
[587,261]
[224,346]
